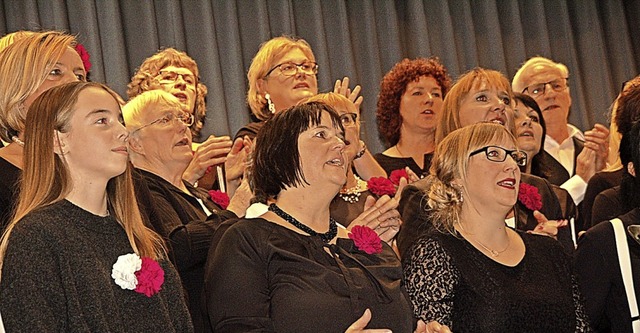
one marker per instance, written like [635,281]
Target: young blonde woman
[77,256]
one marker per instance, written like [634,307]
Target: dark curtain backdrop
[362,39]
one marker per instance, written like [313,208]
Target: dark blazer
[415,213]
[547,167]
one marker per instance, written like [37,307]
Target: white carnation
[124,269]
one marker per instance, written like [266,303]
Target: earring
[272,107]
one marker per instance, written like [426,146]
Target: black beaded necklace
[326,237]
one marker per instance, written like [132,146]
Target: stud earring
[272,107]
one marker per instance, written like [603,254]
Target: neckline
[493,259]
[325,237]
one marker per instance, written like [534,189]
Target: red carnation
[84,55]
[396,175]
[220,198]
[366,239]
[530,197]
[381,186]
[150,277]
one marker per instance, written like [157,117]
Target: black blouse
[267,278]
[389,164]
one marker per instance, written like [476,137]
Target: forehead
[294,55]
[179,70]
[541,73]
[71,58]
[94,98]
[426,82]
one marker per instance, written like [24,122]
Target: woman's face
[95,146]
[485,104]
[163,139]
[287,91]
[68,68]
[420,105]
[181,83]
[528,129]
[490,184]
[351,128]
[322,157]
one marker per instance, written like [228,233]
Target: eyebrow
[98,111]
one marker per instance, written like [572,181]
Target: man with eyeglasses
[576,156]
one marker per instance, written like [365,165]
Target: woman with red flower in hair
[294,269]
[471,272]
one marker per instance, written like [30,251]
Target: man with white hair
[574,156]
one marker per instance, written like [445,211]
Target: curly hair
[143,78]
[393,86]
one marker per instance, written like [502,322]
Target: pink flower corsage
[381,186]
[396,175]
[366,239]
[220,198]
[530,197]
[84,55]
[143,275]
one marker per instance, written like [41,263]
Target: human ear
[59,142]
[135,145]
[631,169]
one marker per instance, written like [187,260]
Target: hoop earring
[272,107]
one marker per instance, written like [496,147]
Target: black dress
[450,281]
[600,182]
[600,279]
[390,164]
[9,187]
[251,130]
[345,212]
[264,277]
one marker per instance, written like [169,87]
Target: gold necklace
[493,253]
[352,195]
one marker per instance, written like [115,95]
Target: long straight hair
[46,177]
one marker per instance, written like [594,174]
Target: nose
[429,99]
[526,122]
[498,105]
[122,133]
[340,143]
[510,164]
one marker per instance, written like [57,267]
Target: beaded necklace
[326,237]
[352,195]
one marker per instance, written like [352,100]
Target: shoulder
[250,130]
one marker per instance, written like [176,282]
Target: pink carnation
[366,239]
[529,196]
[381,186]
[220,198]
[150,277]
[84,55]
[396,175]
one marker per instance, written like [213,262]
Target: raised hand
[211,152]
[342,88]
[597,139]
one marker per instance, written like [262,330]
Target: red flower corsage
[396,175]
[84,55]
[143,275]
[529,196]
[366,239]
[220,198]
[381,186]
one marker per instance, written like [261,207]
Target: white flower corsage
[144,275]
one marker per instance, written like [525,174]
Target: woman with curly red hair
[410,99]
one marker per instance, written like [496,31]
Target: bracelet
[362,151]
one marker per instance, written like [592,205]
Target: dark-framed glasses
[537,90]
[166,77]
[348,119]
[499,154]
[170,118]
[291,68]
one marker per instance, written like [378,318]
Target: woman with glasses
[160,150]
[470,272]
[483,95]
[175,72]
[409,102]
[51,61]
[77,256]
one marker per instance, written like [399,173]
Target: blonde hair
[520,81]
[449,166]
[449,119]
[143,78]
[10,38]
[269,52]
[334,100]
[46,178]
[24,66]
[134,109]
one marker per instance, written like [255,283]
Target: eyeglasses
[183,118]
[348,119]
[291,69]
[537,90]
[167,77]
[499,154]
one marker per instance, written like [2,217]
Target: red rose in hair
[529,196]
[396,175]
[150,277]
[366,239]
[220,198]
[381,186]
[84,55]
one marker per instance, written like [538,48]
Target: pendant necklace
[494,253]
[326,237]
